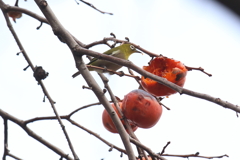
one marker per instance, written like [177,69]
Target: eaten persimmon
[174,71]
[108,123]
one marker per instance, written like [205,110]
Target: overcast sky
[195,32]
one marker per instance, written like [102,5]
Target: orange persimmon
[174,71]
[108,123]
[141,108]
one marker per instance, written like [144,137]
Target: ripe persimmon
[108,123]
[141,108]
[174,71]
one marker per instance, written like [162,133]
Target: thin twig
[105,40]
[86,106]
[97,136]
[6,150]
[194,155]
[13,156]
[59,120]
[91,5]
[67,117]
[164,148]
[17,40]
[119,73]
[137,78]
[27,12]
[199,69]
[159,101]
[5,153]
[150,152]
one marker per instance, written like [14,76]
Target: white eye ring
[132,47]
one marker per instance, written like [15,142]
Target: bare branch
[150,152]
[67,117]
[159,101]
[199,69]
[194,155]
[119,73]
[105,40]
[21,123]
[91,5]
[5,153]
[27,12]
[86,106]
[13,156]
[164,148]
[17,39]
[97,136]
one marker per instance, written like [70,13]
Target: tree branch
[67,117]
[5,153]
[114,39]
[119,73]
[91,5]
[194,155]
[150,152]
[25,11]
[22,124]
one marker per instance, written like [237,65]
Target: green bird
[123,51]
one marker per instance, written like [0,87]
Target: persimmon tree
[105,95]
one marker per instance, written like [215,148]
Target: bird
[123,51]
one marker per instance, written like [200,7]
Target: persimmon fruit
[108,123]
[141,108]
[14,15]
[174,71]
[143,158]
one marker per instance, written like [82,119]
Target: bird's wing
[114,53]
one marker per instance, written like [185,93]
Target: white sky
[198,33]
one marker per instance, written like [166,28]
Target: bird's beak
[137,51]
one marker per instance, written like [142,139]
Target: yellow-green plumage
[123,52]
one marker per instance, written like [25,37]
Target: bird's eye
[132,47]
